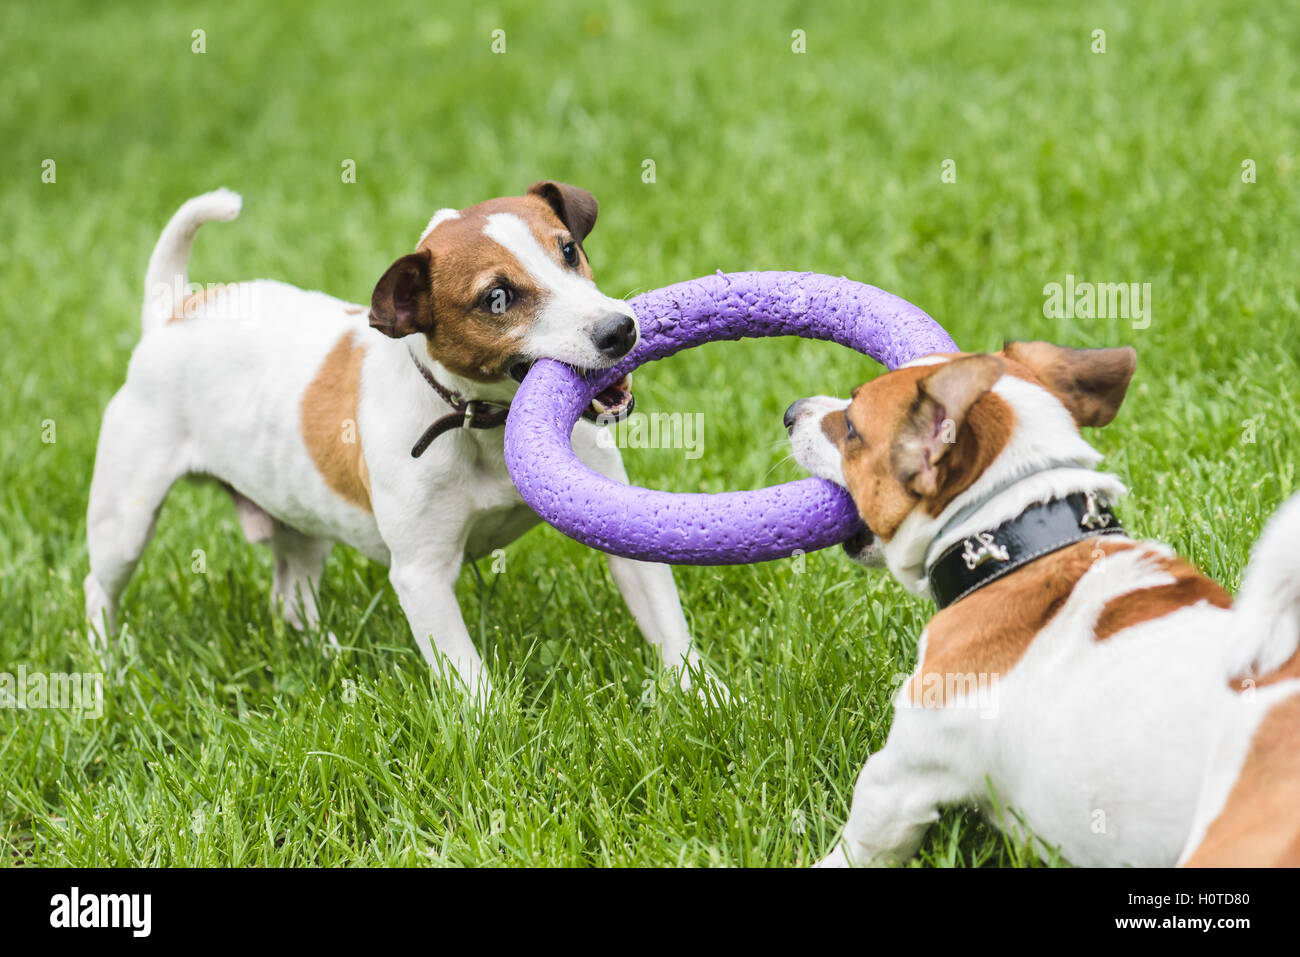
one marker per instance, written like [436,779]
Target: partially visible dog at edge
[1080,686]
[378,427]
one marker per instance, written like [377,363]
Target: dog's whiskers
[789,456]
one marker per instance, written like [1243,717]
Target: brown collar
[467,414]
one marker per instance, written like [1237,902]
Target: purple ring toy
[730,528]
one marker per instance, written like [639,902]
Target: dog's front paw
[836,858]
[709,688]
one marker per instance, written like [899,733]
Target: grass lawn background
[228,741]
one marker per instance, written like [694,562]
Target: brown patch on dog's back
[1259,825]
[987,633]
[1289,670]
[329,422]
[1147,604]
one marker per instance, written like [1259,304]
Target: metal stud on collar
[988,550]
[1093,518]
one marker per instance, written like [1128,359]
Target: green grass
[226,740]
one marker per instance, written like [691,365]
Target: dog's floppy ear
[943,399]
[402,302]
[1091,383]
[576,207]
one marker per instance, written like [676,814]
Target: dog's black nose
[791,414]
[614,336]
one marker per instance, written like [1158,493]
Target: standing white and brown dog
[1095,688]
[383,433]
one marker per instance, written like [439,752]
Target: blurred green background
[1116,166]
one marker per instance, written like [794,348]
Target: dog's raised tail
[167,277]
[1266,615]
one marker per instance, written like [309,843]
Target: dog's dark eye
[499,298]
[849,431]
[570,253]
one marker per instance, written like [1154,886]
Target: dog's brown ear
[402,302]
[1091,383]
[576,207]
[931,427]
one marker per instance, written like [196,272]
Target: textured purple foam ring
[730,528]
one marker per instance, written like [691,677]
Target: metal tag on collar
[988,550]
[1093,518]
[471,409]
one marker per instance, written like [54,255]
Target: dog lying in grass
[1095,690]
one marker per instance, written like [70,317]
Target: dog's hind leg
[138,459]
[299,565]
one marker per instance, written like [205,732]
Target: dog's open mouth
[611,404]
[614,402]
